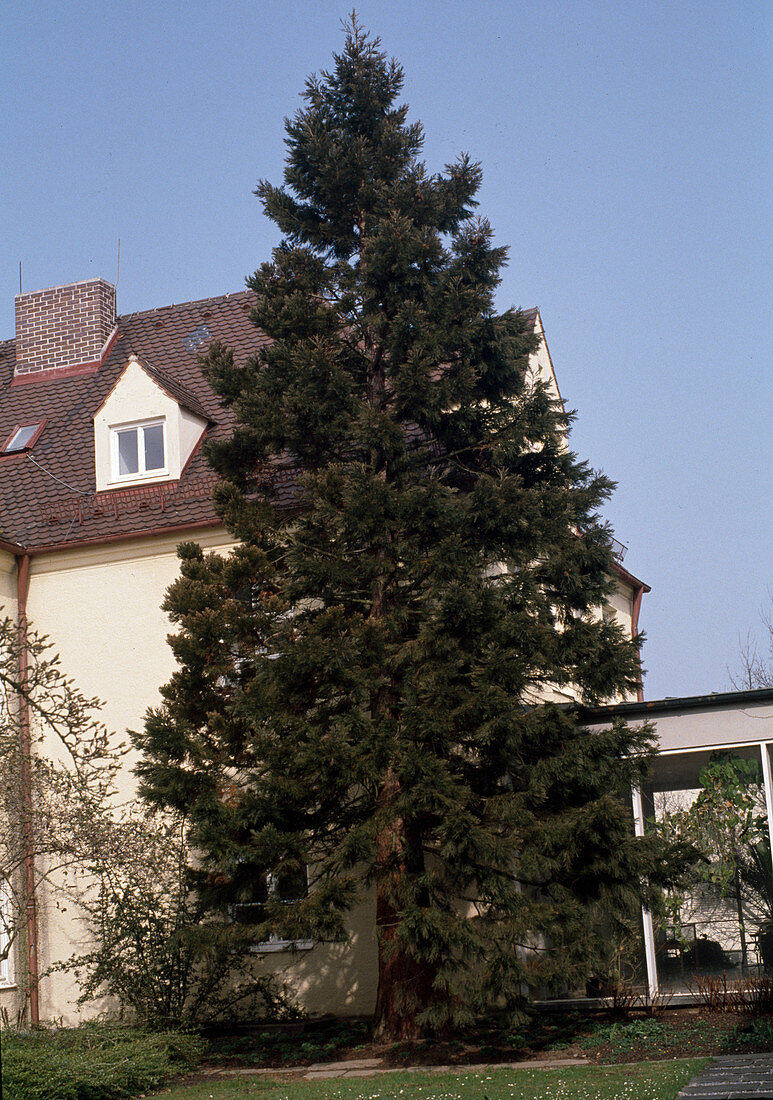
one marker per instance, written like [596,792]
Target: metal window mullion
[767,783]
[646,915]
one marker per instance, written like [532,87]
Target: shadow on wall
[337,978]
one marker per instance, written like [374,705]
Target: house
[102,420]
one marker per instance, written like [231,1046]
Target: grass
[642,1081]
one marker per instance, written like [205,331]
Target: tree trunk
[405,983]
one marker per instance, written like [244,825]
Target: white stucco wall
[723,726]
[7,584]
[101,608]
[686,728]
[621,603]
[541,362]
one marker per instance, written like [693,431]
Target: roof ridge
[182,305]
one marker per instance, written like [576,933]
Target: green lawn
[641,1081]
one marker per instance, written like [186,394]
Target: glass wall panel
[721,920]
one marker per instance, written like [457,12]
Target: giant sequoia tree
[420,559]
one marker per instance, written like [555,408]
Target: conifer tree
[420,559]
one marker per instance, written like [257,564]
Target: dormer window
[139,450]
[23,437]
[145,430]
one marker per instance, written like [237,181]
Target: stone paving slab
[374,1067]
[733,1077]
[334,1070]
[352,1063]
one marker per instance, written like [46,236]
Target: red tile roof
[48,495]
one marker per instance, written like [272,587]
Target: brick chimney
[64,329]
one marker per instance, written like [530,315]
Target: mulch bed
[600,1037]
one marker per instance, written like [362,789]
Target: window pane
[21,438]
[291,885]
[154,447]
[128,458]
[254,910]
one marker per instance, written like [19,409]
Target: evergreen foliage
[420,559]
[93,1062]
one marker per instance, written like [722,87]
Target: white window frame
[142,474]
[7,978]
[274,943]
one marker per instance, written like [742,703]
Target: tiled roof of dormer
[179,393]
[47,495]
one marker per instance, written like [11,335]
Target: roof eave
[687,702]
[123,536]
[12,547]
[629,578]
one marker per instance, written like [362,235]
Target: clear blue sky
[626,157]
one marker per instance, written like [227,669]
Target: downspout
[23,583]
[635,608]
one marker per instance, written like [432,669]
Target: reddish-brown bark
[405,982]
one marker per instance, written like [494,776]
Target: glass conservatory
[710,786]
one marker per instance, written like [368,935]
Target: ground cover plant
[637,1082]
[602,1037]
[651,1038]
[295,1044]
[92,1062]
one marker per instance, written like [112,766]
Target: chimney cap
[65,286]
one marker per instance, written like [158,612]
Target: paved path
[374,1067]
[733,1077]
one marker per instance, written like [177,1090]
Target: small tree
[151,950]
[59,766]
[124,871]
[421,559]
[726,825]
[755,671]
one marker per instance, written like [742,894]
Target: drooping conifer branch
[369,658]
